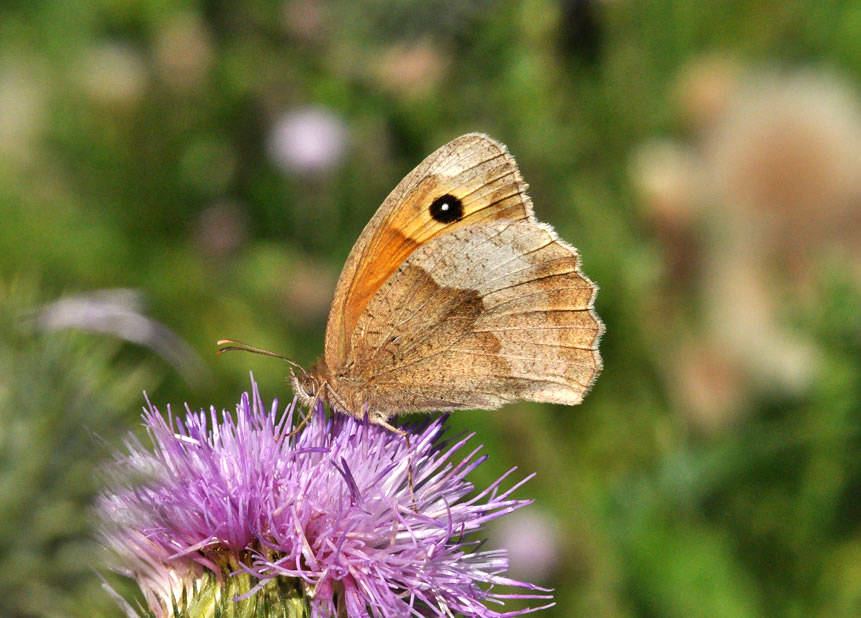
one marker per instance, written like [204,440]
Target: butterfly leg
[311,407]
[304,420]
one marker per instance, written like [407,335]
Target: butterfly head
[306,387]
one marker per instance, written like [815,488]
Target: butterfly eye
[446,209]
[308,385]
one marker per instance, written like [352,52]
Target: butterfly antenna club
[232,345]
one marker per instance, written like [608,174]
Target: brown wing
[475,170]
[483,315]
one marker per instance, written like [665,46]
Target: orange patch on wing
[411,226]
[394,249]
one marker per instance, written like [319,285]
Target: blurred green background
[174,172]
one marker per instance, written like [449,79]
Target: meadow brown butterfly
[455,297]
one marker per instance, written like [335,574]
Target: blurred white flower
[308,141]
[119,312]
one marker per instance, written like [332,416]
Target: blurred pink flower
[532,540]
[308,141]
[221,229]
[785,170]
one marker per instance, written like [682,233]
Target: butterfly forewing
[473,176]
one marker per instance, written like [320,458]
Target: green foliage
[63,397]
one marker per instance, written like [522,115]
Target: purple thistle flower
[329,509]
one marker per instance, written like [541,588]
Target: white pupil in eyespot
[444,206]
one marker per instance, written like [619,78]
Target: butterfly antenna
[232,345]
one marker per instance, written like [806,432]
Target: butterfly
[455,296]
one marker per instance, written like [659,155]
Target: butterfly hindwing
[478,317]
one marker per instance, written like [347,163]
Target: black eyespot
[447,209]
